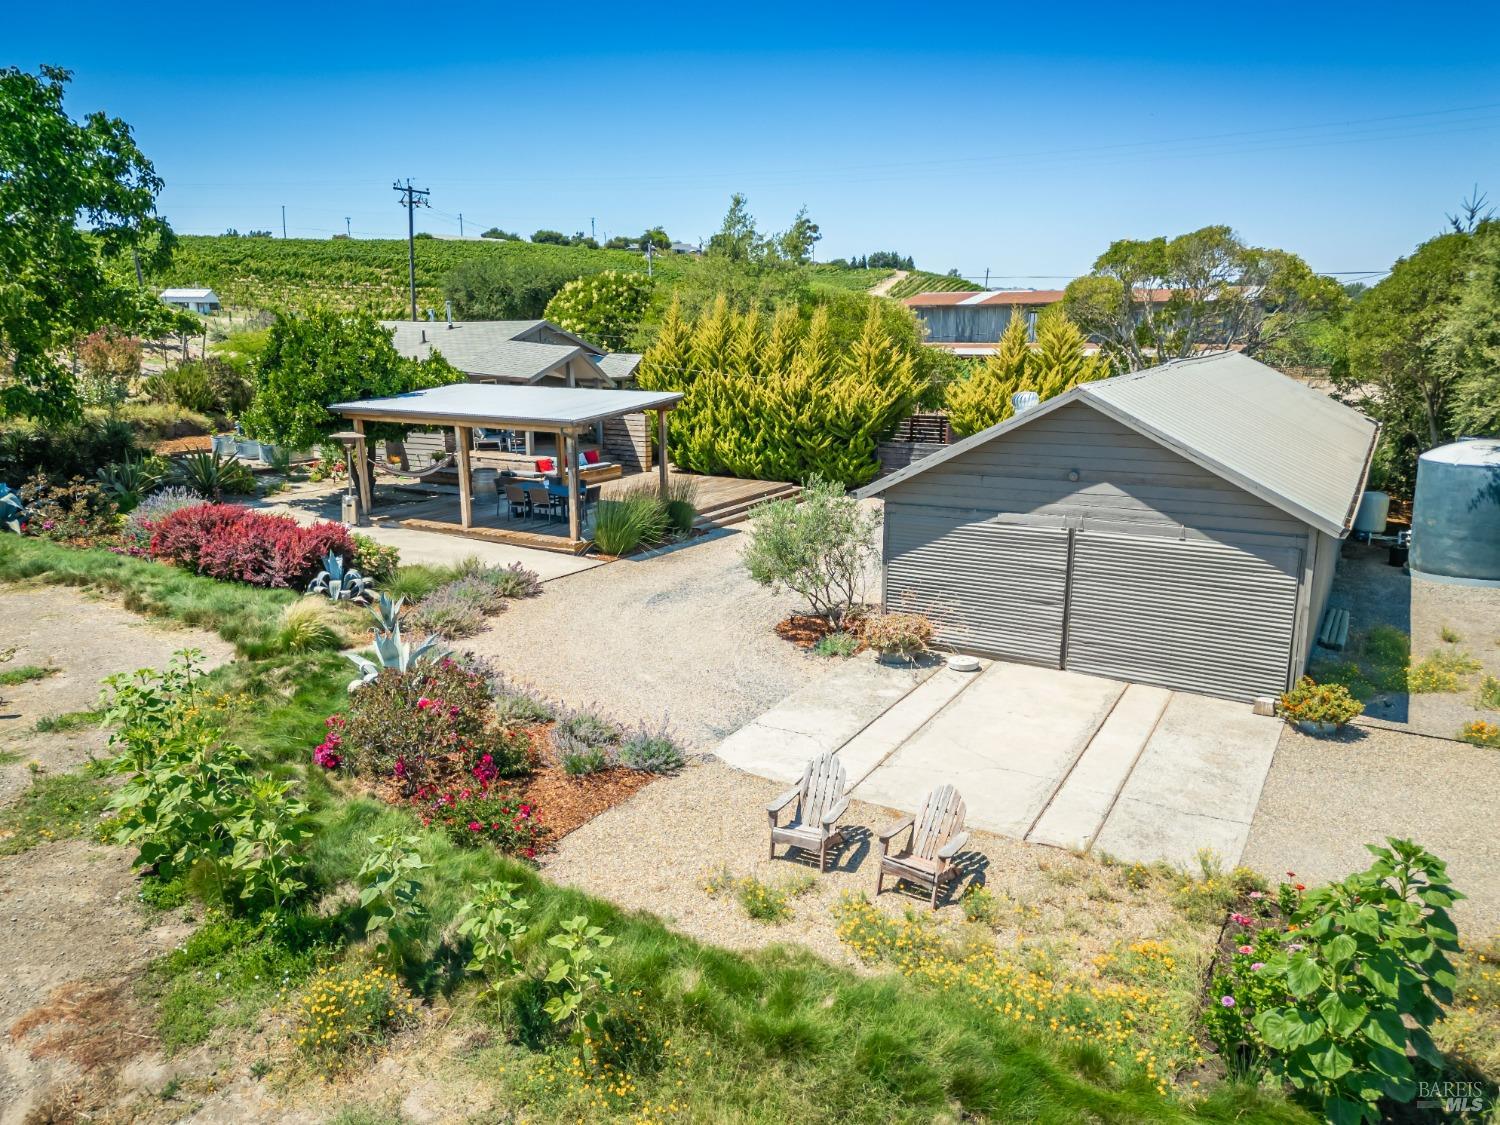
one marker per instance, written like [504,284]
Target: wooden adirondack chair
[820,802]
[936,836]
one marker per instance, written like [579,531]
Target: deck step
[1075,814]
[1334,632]
[723,515]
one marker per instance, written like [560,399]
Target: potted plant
[1319,709]
[897,636]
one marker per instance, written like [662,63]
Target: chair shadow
[973,868]
[846,858]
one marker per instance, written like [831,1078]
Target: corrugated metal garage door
[1189,614]
[990,588]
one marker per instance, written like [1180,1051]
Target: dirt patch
[92,1025]
[198,443]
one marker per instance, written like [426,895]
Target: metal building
[1178,526]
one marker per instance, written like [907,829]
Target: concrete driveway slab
[1005,742]
[820,717]
[1197,784]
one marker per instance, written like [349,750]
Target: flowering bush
[140,524]
[427,724]
[230,542]
[1481,733]
[327,753]
[1319,703]
[1331,999]
[374,560]
[76,512]
[344,1009]
[478,815]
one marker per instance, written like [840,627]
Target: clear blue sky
[1018,138]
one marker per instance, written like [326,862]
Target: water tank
[1455,532]
[1373,512]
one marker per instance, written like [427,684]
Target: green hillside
[274,273]
[921,282]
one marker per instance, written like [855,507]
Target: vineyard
[273,273]
[920,282]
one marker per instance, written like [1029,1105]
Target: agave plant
[127,482]
[339,584]
[395,652]
[387,614]
[210,475]
[12,510]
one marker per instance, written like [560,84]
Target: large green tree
[1169,298]
[604,308]
[315,359]
[74,195]
[1470,340]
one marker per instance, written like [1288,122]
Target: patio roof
[503,406]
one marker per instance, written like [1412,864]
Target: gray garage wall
[1127,483]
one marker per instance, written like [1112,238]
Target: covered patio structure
[565,412]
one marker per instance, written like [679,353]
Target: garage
[1178,526]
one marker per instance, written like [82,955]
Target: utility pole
[460,224]
[348,230]
[411,199]
[283,220]
[986,277]
[650,246]
[591,227]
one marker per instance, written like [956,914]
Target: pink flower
[1227,1001]
[423,703]
[530,853]
[1257,966]
[1257,894]
[399,769]
[1242,919]
[475,826]
[1247,949]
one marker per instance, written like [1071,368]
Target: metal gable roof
[1292,446]
[502,404]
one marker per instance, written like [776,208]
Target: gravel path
[684,634]
[1326,798]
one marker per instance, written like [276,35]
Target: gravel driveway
[684,633]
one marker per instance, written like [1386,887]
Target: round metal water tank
[1373,512]
[1455,531]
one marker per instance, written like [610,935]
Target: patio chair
[820,801]
[537,496]
[518,498]
[936,836]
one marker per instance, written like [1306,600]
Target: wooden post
[661,450]
[465,488]
[570,451]
[361,467]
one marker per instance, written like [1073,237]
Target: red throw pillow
[544,464]
[591,456]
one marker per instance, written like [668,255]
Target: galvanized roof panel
[500,404]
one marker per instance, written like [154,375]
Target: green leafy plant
[603,308]
[518,705]
[1333,1001]
[78,511]
[390,894]
[1488,696]
[374,559]
[651,749]
[128,482]
[839,643]
[630,520]
[349,1008]
[493,923]
[1441,672]
[213,476]
[820,548]
[267,831]
[579,979]
[1310,702]
[579,759]
[459,608]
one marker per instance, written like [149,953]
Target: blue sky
[1020,139]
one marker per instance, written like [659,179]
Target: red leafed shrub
[230,542]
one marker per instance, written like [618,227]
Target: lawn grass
[248,617]
[25,674]
[56,807]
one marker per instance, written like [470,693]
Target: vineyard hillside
[274,273]
[920,282]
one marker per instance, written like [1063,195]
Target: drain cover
[960,663]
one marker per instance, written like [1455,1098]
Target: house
[970,323]
[684,248]
[1177,526]
[203,301]
[515,351]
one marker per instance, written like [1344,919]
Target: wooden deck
[721,501]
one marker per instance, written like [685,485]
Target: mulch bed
[566,803]
[805,630]
[201,444]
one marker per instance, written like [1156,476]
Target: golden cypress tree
[1060,362]
[983,399]
[667,364]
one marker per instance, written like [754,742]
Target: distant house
[684,248]
[515,352]
[971,323]
[202,301]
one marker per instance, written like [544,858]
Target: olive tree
[820,547]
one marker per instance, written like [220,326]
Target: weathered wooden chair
[936,836]
[820,802]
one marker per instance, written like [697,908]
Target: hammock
[447,462]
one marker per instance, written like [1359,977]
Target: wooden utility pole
[411,199]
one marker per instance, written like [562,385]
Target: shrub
[420,725]
[226,541]
[374,560]
[820,548]
[579,758]
[346,1009]
[1333,1001]
[1319,703]
[603,308]
[152,422]
[838,643]
[135,533]
[457,609]
[1441,672]
[629,520]
[1480,733]
[588,728]
[128,482]
[77,512]
[208,386]
[308,625]
[64,450]
[651,749]
[475,816]
[212,476]
[518,705]
[682,504]
[897,634]
[513,581]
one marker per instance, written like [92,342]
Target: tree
[499,289]
[1470,340]
[552,237]
[110,360]
[604,308]
[505,235]
[1159,299]
[737,239]
[887,260]
[797,241]
[323,357]
[75,196]
[657,237]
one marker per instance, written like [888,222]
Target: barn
[1178,526]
